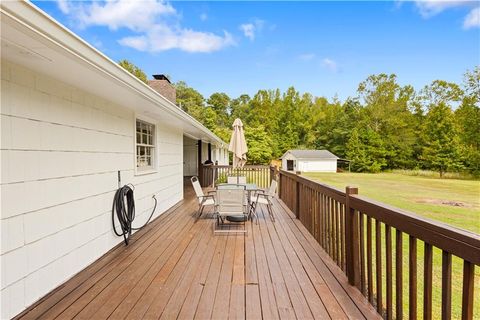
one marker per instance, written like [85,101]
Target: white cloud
[429,8]
[163,38]
[248,30]
[472,20]
[306,56]
[330,64]
[203,17]
[64,6]
[139,42]
[251,29]
[155,25]
[134,15]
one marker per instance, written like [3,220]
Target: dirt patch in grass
[452,203]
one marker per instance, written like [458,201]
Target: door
[190,155]
[290,165]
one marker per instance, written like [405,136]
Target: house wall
[60,152]
[220,155]
[317,165]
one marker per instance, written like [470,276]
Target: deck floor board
[177,268]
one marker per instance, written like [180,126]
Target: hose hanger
[124,208]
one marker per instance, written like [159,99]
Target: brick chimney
[162,85]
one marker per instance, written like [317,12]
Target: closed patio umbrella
[238,145]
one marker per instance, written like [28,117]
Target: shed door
[290,165]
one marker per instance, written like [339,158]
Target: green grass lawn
[429,197]
[455,202]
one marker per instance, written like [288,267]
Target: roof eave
[45,26]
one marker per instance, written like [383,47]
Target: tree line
[385,126]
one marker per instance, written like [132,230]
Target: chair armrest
[204,198]
[258,191]
[263,195]
[211,192]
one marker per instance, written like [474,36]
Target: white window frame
[152,146]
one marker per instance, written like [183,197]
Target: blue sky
[325,48]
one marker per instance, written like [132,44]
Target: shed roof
[311,154]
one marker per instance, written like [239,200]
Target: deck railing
[365,238]
[211,175]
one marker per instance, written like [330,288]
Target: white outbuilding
[309,161]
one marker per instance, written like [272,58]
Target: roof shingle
[311,154]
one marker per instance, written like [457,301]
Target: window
[145,142]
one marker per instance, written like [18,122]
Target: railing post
[279,186]
[297,200]
[199,162]
[352,239]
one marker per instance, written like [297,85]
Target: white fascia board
[30,16]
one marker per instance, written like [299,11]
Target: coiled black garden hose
[124,208]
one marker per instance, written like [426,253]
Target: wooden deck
[177,269]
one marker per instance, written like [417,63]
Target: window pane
[144,138]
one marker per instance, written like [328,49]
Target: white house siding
[60,152]
[318,165]
[220,155]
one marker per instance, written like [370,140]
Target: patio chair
[230,207]
[262,197]
[236,180]
[203,200]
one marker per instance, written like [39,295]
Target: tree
[190,100]
[387,112]
[386,126]
[441,150]
[220,103]
[210,118]
[366,151]
[259,145]
[133,69]
[467,118]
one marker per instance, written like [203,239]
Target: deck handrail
[210,175]
[342,222]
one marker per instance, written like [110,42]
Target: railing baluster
[329,227]
[427,282]
[322,220]
[446,285]
[467,294]
[389,271]
[378,264]
[362,253]
[338,234]
[335,232]
[369,261]
[399,274]
[412,281]
[342,227]
[317,216]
